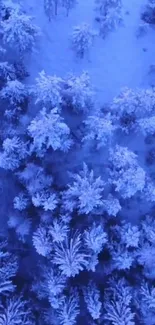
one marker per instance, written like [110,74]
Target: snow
[120,60]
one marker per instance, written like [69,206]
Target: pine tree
[99,129]
[19,32]
[85,192]
[68,5]
[78,93]
[70,257]
[14,151]
[69,309]
[48,130]
[92,300]
[42,241]
[118,305]
[15,93]
[48,90]
[95,238]
[49,8]
[15,311]
[82,39]
[127,176]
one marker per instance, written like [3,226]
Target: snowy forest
[77,162]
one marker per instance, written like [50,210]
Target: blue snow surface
[119,60]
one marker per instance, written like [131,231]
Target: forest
[77,162]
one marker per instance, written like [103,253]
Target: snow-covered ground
[120,60]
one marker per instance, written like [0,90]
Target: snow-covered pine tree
[48,130]
[132,105]
[122,258]
[19,32]
[58,230]
[34,178]
[48,90]
[15,92]
[109,15]
[85,192]
[45,199]
[146,125]
[69,309]
[95,238]
[7,72]
[92,300]
[70,256]
[49,8]
[118,304]
[78,93]
[8,269]
[15,311]
[102,6]
[14,151]
[111,21]
[21,201]
[82,39]
[99,129]
[68,5]
[146,302]
[127,176]
[42,241]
